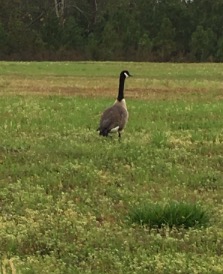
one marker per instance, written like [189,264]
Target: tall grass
[172,214]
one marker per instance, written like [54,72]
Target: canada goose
[115,118]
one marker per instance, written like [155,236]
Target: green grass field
[67,194]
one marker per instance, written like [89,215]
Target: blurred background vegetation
[124,30]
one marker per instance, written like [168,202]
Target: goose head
[125,74]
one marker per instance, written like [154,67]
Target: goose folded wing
[110,119]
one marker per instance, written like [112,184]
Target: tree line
[131,30]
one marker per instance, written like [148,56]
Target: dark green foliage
[164,43]
[203,44]
[2,39]
[172,214]
[173,30]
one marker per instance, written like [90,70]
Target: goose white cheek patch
[126,75]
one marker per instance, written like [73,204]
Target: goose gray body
[115,117]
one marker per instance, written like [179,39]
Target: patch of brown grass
[95,87]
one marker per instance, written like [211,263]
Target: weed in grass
[159,139]
[206,181]
[172,214]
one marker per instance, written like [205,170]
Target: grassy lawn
[67,193]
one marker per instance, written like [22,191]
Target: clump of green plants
[159,139]
[172,214]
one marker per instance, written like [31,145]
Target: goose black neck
[121,88]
